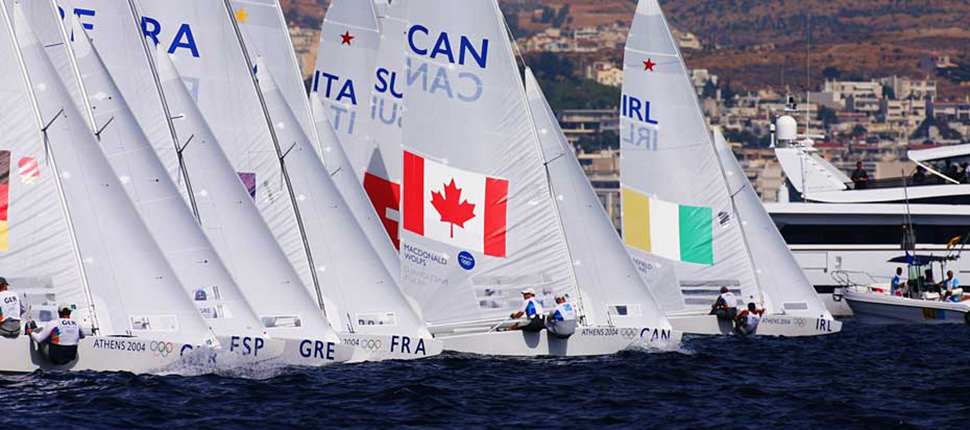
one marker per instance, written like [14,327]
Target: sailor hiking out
[531,312]
[747,321]
[725,307]
[562,321]
[58,339]
[11,309]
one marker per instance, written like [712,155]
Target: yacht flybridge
[838,232]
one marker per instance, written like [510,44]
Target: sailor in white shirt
[11,309]
[562,321]
[58,339]
[531,312]
[726,305]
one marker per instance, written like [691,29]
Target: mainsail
[677,213]
[613,292]
[479,221]
[172,224]
[787,290]
[360,294]
[134,289]
[265,35]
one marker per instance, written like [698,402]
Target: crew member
[531,311]
[860,177]
[11,309]
[725,307]
[747,321]
[950,290]
[894,287]
[59,338]
[562,321]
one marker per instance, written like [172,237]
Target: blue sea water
[865,377]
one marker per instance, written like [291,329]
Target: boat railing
[856,280]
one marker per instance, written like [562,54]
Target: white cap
[529,291]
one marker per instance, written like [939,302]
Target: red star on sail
[346,38]
[648,65]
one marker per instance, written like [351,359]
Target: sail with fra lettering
[613,292]
[134,289]
[677,215]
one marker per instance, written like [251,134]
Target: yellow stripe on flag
[636,220]
[4,237]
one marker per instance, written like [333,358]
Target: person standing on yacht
[860,177]
[895,288]
[950,290]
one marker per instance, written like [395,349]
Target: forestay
[360,295]
[676,209]
[201,37]
[230,218]
[612,291]
[173,226]
[37,253]
[480,223]
[134,290]
[787,290]
[266,37]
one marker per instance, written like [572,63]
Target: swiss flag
[453,206]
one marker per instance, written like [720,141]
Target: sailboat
[99,256]
[480,221]
[689,224]
[351,286]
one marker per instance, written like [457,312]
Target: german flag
[4,199]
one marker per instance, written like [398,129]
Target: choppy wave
[865,377]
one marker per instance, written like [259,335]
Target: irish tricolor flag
[460,208]
[672,231]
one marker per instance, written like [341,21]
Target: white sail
[202,39]
[613,292]
[265,35]
[361,295]
[349,39]
[230,218]
[172,224]
[134,290]
[37,252]
[114,32]
[472,149]
[786,288]
[676,210]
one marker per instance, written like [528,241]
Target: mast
[280,155]
[50,156]
[179,147]
[538,148]
[77,72]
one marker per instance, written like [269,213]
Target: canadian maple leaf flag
[453,206]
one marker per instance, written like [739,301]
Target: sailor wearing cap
[531,312]
[562,320]
[11,309]
[58,339]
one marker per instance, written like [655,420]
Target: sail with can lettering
[360,295]
[201,38]
[176,230]
[787,290]
[265,35]
[677,213]
[479,221]
[134,289]
[613,292]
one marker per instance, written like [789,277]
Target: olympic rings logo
[370,344]
[628,333]
[161,348]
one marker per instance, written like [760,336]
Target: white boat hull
[392,347]
[587,341]
[770,325]
[877,308]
